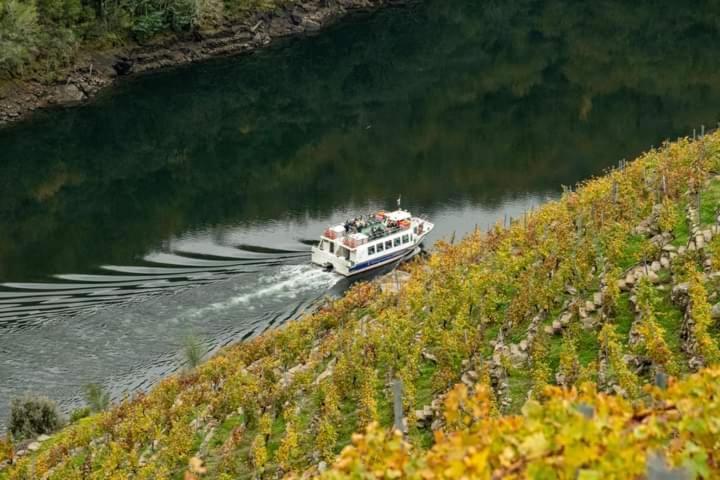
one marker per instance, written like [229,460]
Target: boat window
[397,242]
[406,238]
[332,247]
[415,230]
[371,250]
[380,247]
[388,245]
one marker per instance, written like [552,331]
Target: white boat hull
[346,268]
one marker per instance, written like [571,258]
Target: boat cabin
[373,237]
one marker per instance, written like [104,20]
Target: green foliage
[60,13]
[79,413]
[96,397]
[621,373]
[258,451]
[288,452]
[713,252]
[669,215]
[569,368]
[541,372]
[700,313]
[31,416]
[7,449]
[148,25]
[193,351]
[326,439]
[611,293]
[368,402]
[652,336]
[44,36]
[18,28]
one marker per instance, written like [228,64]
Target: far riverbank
[97,70]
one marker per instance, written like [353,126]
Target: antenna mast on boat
[399,200]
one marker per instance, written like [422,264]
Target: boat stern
[330,262]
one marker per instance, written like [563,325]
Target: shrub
[193,352]
[6,449]
[31,416]
[96,398]
[79,414]
[18,30]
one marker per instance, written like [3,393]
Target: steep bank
[94,71]
[607,290]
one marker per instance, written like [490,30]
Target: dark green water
[184,201]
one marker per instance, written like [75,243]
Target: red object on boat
[354,242]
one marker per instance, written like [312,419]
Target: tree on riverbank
[45,36]
[18,27]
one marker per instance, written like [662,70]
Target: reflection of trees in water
[457,98]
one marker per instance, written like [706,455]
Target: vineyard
[579,341]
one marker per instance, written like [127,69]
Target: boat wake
[31,304]
[125,326]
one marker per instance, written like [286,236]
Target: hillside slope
[608,289]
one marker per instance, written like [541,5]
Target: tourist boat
[370,242]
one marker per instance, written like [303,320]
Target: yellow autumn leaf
[534,445]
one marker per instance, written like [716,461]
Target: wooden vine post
[397,388]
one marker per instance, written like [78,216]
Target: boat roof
[371,227]
[398,215]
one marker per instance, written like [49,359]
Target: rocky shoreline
[99,70]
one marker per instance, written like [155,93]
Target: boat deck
[379,229]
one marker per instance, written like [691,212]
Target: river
[185,202]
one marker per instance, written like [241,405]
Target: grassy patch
[491,332]
[423,387]
[276,435]
[349,413]
[385,407]
[670,318]
[665,276]
[553,358]
[681,230]
[624,316]
[632,252]
[222,432]
[709,202]
[587,346]
[421,437]
[519,383]
[518,333]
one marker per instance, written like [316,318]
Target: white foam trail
[286,283]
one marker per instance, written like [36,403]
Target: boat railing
[354,242]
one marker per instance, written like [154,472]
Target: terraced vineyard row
[610,289]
